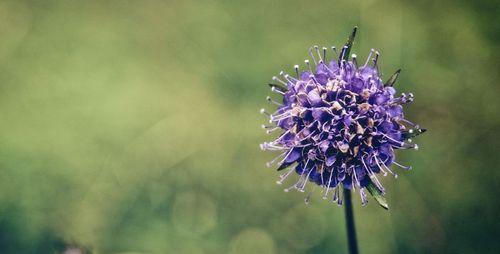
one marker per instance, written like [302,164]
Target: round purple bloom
[340,124]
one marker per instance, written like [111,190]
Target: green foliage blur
[133,126]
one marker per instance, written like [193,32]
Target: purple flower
[339,124]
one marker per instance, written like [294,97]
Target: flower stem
[349,220]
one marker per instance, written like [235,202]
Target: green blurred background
[133,126]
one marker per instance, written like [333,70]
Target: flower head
[339,124]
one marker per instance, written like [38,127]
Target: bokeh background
[133,126]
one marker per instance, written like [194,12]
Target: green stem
[349,220]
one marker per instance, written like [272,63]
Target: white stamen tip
[415,147]
[262,126]
[353,56]
[262,111]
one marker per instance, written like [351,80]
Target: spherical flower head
[340,124]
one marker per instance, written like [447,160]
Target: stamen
[408,122]
[279,80]
[328,187]
[284,176]
[290,188]
[308,197]
[271,147]
[284,158]
[401,144]
[284,115]
[324,53]
[375,60]
[402,166]
[387,168]
[271,130]
[270,163]
[286,76]
[368,58]
[334,51]
[354,61]
[264,112]
[297,184]
[282,135]
[407,146]
[355,177]
[342,54]
[362,194]
[278,87]
[269,99]
[308,66]
[372,175]
[312,56]
[274,148]
[273,89]
[296,67]
[336,197]
[301,188]
[290,78]
[319,54]
[381,168]
[405,98]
